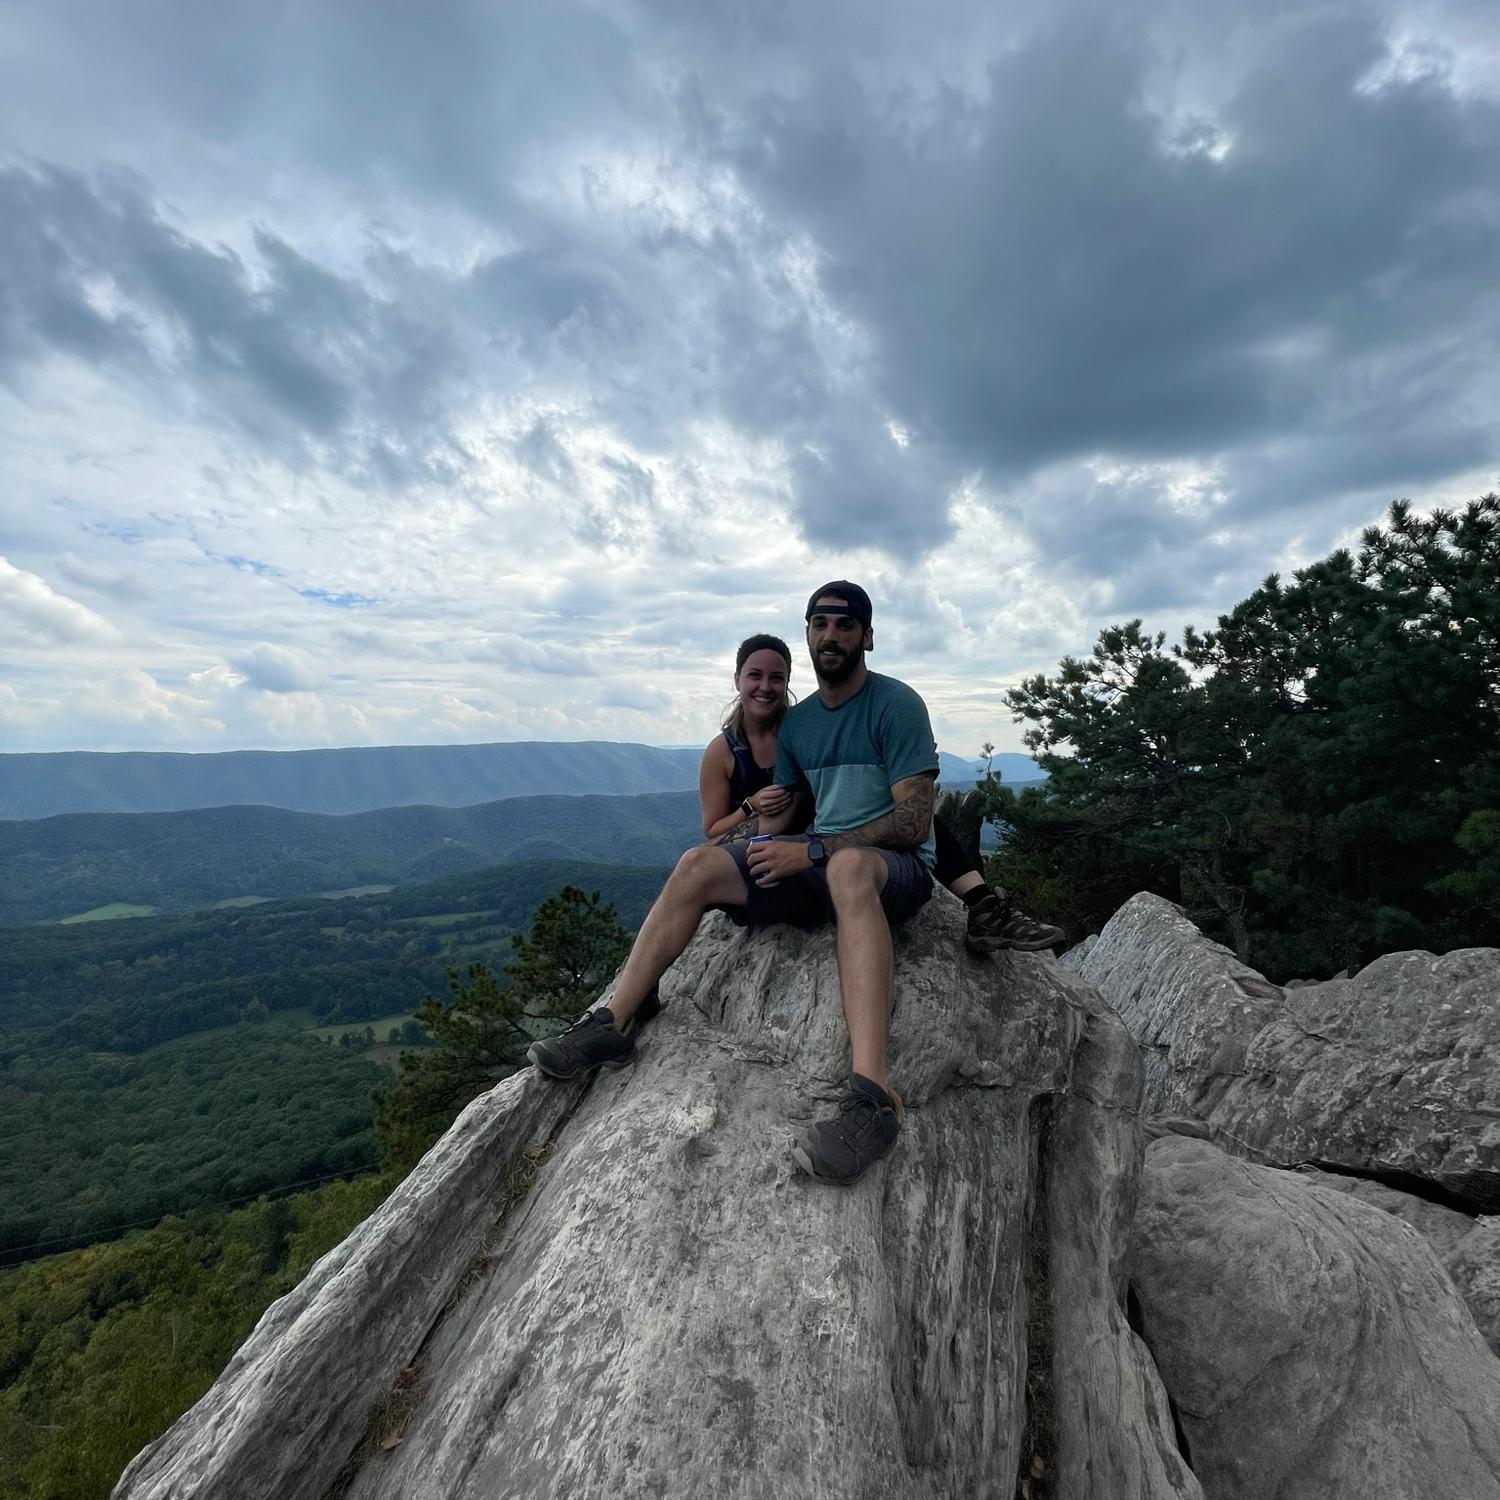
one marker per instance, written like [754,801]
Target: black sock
[978,894]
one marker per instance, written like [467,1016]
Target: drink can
[765,838]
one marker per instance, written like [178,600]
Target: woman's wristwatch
[745,807]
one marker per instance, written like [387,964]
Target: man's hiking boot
[865,1128]
[590,1042]
[994,924]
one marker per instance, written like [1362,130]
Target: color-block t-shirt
[852,755]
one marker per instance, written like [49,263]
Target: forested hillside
[57,867]
[101,1349]
[1317,778]
[169,1063]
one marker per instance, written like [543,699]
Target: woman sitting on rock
[735,788]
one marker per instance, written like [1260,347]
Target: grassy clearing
[356,890]
[109,913]
[229,903]
[381,1025]
[447,919]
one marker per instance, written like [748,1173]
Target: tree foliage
[481,1033]
[102,1349]
[1317,778]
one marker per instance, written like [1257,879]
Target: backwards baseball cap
[856,601]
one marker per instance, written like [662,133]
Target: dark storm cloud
[996,231]
[1052,270]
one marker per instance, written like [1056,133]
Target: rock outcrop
[1312,1343]
[1389,1073]
[667,1309]
[623,1288]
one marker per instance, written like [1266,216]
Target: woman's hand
[771,801]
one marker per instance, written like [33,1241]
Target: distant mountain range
[51,868]
[365,779]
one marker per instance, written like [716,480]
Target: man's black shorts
[803,899]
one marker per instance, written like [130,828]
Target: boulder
[1389,1073]
[1312,1345]
[1468,1248]
[668,1309]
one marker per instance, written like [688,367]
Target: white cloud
[275,669]
[30,607]
[347,419]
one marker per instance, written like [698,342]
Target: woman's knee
[700,869]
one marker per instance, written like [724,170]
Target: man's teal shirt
[852,755]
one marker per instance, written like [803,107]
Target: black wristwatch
[815,851]
[745,807]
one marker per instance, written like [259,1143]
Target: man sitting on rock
[863,748]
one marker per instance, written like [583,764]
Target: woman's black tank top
[747,778]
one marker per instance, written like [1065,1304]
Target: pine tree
[480,1035]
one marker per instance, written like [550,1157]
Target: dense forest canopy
[102,1349]
[162,1064]
[53,868]
[1317,778]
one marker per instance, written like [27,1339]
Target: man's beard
[837,672]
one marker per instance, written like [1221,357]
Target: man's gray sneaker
[996,924]
[865,1128]
[590,1042]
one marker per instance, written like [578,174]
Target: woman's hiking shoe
[843,1148]
[590,1042]
[996,924]
[648,1010]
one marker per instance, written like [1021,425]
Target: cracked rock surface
[1314,1347]
[670,1310]
[1389,1073]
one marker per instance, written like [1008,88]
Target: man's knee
[854,875]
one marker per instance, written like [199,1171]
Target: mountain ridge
[362,778]
[55,867]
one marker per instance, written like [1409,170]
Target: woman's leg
[993,923]
[952,864]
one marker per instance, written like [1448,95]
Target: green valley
[188,1061]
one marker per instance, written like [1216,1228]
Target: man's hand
[778,860]
[771,801]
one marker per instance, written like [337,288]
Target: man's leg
[856,878]
[705,876]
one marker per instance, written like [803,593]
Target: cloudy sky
[380,373]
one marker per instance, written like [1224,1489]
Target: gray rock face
[300,1389]
[1469,1249]
[1443,1228]
[1474,1265]
[669,1310]
[1389,1072]
[1313,1346]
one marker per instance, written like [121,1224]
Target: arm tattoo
[903,827]
[745,830]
